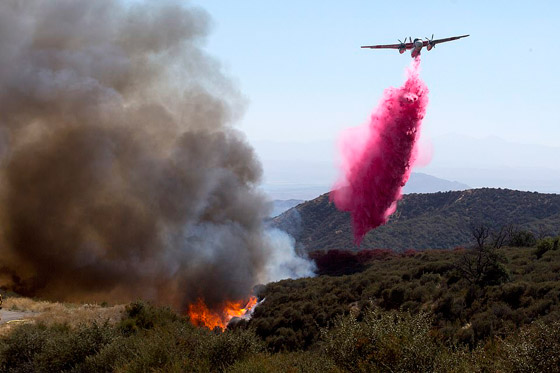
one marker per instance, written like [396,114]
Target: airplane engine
[401,50]
[429,47]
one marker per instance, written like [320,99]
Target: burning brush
[201,315]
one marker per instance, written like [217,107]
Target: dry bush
[27,304]
[63,313]
[84,314]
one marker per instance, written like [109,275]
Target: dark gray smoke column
[120,174]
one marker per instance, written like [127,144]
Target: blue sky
[305,78]
[300,66]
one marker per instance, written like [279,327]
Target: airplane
[415,45]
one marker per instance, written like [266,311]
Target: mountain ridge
[423,220]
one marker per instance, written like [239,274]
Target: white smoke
[283,261]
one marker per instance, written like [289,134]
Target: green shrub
[397,340]
[512,293]
[448,307]
[497,274]
[484,325]
[522,239]
[21,346]
[394,297]
[535,348]
[300,362]
[231,346]
[145,316]
[544,245]
[53,349]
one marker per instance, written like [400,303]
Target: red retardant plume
[376,158]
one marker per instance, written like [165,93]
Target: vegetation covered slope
[423,221]
[404,312]
[464,312]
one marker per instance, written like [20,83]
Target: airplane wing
[388,46]
[437,41]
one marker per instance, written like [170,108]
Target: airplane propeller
[431,41]
[401,41]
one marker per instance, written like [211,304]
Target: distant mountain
[279,206]
[303,170]
[424,183]
[423,221]
[418,183]
[287,191]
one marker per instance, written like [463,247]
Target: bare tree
[480,233]
[501,237]
[482,265]
[541,233]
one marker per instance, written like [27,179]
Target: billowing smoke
[120,174]
[377,157]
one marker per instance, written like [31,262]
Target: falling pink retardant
[376,158]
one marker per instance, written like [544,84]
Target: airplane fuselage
[418,44]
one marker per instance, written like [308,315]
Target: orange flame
[200,315]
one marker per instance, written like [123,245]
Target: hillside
[423,221]
[417,282]
[416,304]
